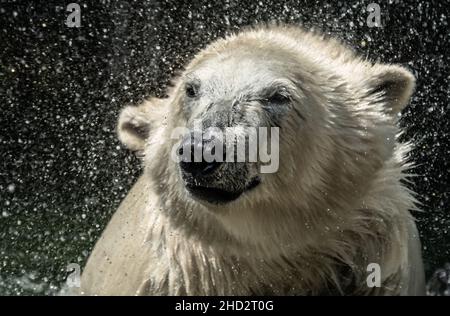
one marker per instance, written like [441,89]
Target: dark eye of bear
[279,97]
[191,91]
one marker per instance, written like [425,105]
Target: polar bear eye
[191,90]
[279,97]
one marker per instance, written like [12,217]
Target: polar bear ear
[394,84]
[133,127]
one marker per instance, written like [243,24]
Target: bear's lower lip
[217,195]
[213,195]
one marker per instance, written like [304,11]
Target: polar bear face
[328,115]
[239,100]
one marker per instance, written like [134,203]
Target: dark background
[62,170]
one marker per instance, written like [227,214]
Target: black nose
[196,167]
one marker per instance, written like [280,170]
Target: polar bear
[335,208]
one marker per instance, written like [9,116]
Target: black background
[62,170]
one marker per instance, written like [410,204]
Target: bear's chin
[212,195]
[218,196]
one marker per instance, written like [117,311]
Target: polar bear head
[328,116]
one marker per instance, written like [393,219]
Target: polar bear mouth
[218,195]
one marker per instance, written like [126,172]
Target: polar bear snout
[193,162]
[208,175]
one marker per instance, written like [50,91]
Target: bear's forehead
[244,72]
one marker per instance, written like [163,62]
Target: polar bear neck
[237,252]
